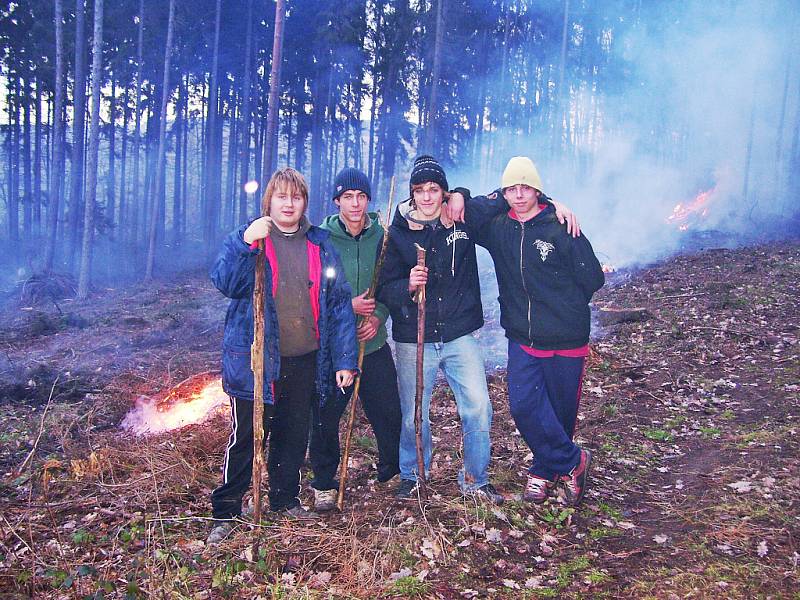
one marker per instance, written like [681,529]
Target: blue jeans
[543,395]
[462,363]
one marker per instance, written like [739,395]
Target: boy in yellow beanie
[546,279]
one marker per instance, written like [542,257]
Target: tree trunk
[270,146]
[211,212]
[136,190]
[54,190]
[177,130]
[121,211]
[244,151]
[27,168]
[374,95]
[160,158]
[78,131]
[13,103]
[184,170]
[430,127]
[560,112]
[94,139]
[111,180]
[37,161]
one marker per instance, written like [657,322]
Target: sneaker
[406,489]
[324,500]
[387,475]
[488,493]
[537,489]
[575,482]
[297,512]
[219,532]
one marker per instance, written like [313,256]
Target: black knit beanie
[426,168]
[351,179]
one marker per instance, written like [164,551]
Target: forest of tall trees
[132,125]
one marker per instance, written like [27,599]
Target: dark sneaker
[575,482]
[324,500]
[488,493]
[406,489]
[387,474]
[219,532]
[297,512]
[537,489]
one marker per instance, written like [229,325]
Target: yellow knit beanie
[521,169]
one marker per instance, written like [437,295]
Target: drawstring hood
[453,257]
[408,211]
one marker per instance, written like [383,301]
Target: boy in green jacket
[357,236]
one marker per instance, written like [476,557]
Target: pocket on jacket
[236,373]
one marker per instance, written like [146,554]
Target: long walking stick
[420,298]
[351,417]
[257,365]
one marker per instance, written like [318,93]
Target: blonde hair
[284,178]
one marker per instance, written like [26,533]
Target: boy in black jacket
[546,279]
[454,311]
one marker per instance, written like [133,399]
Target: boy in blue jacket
[546,279]
[309,343]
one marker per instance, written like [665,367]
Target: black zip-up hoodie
[545,276]
[452,295]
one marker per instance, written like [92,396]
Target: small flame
[681,213]
[608,268]
[176,410]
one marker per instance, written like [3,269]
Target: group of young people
[317,312]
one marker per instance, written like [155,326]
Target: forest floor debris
[692,415]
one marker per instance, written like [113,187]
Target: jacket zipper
[522,275]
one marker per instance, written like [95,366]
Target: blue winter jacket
[233,273]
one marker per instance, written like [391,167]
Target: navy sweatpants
[543,395]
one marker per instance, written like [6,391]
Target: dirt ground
[691,410]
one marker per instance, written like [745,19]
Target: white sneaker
[324,500]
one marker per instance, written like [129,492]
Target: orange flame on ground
[608,268]
[176,409]
[698,206]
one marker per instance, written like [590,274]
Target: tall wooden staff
[420,298]
[257,365]
[361,346]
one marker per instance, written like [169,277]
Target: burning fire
[697,208]
[192,401]
[608,268]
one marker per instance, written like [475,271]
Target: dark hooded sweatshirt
[546,277]
[452,295]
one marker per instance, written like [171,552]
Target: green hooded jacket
[358,257]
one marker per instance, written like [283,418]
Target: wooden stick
[420,299]
[257,365]
[351,417]
[41,429]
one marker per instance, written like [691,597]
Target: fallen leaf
[430,549]
[404,572]
[533,582]
[493,535]
[625,525]
[319,580]
[741,486]
[510,583]
[660,538]
[762,548]
[464,543]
